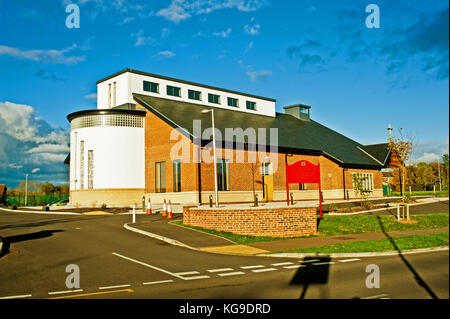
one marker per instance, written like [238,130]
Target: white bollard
[134,214]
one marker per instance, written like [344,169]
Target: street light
[214,151]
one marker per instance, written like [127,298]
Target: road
[116,263]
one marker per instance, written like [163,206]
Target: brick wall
[272,222]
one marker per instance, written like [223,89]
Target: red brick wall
[272,222]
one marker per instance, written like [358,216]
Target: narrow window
[213,98]
[109,95]
[176,176]
[233,102]
[90,169]
[114,94]
[81,164]
[194,95]
[151,87]
[251,105]
[173,91]
[302,186]
[223,175]
[160,177]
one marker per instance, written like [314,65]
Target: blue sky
[357,80]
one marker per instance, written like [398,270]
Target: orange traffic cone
[149,207]
[169,211]
[164,213]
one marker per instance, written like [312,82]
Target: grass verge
[238,239]
[385,244]
[341,225]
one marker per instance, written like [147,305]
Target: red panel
[303,172]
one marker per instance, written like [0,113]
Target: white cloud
[248,47]
[259,75]
[92,96]
[179,10]
[127,20]
[35,170]
[222,34]
[167,54]
[429,151]
[165,32]
[15,166]
[252,29]
[141,39]
[175,12]
[44,56]
[49,148]
[28,143]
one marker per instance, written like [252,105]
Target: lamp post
[214,151]
[26,188]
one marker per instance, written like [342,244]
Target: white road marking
[157,282]
[252,267]
[64,292]
[376,296]
[294,266]
[348,260]
[111,287]
[308,261]
[196,277]
[13,297]
[264,269]
[324,263]
[150,266]
[282,264]
[220,269]
[187,273]
[235,273]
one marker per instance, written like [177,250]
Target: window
[213,98]
[114,94]
[174,91]
[266,168]
[109,95]
[81,164]
[366,180]
[223,175]
[160,177]
[90,169]
[251,105]
[303,187]
[176,176]
[194,95]
[232,102]
[151,87]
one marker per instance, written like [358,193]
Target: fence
[34,200]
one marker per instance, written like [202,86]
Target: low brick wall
[272,222]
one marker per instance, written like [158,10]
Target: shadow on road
[7,241]
[419,279]
[316,274]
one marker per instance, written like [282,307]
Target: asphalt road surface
[116,263]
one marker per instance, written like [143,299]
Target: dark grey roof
[294,135]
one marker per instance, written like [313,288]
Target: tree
[359,188]
[425,176]
[402,147]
